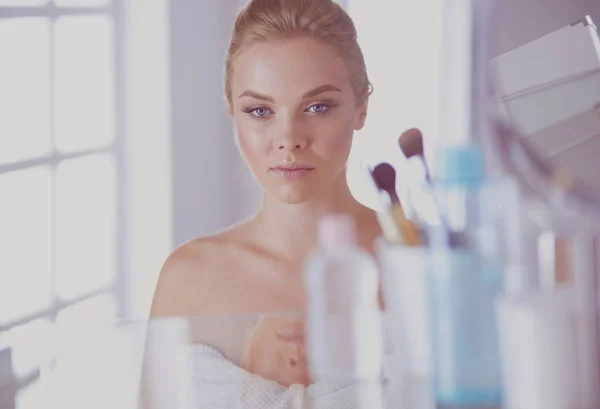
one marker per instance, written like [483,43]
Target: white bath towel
[209,381]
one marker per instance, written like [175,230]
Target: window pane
[84,79]
[25,88]
[82,3]
[101,309]
[85,224]
[25,242]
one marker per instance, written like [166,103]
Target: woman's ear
[361,115]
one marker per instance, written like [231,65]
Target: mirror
[545,64]
[546,68]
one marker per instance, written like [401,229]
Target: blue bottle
[464,279]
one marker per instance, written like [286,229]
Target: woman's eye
[318,108]
[257,113]
[260,112]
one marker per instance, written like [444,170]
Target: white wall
[211,186]
[400,42]
[149,184]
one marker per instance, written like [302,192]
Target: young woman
[296,88]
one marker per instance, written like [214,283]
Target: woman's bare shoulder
[192,279]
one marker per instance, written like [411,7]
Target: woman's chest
[257,283]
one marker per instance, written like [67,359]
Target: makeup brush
[386,221]
[411,143]
[384,176]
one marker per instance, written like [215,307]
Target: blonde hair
[325,20]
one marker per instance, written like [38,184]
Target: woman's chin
[293,194]
[290,190]
[293,198]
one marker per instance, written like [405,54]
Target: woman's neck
[291,230]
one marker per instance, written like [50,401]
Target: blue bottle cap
[461,166]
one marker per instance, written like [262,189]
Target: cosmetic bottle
[464,278]
[343,316]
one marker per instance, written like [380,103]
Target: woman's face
[294,111]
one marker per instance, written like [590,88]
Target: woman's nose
[291,145]
[292,136]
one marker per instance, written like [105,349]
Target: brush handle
[426,169]
[409,232]
[389,227]
[394,197]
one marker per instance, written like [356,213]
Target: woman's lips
[292,174]
[292,170]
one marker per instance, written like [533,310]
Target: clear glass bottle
[343,322]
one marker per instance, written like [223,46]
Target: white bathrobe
[209,381]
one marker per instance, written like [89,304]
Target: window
[61,176]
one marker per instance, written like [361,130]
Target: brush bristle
[384,176]
[411,143]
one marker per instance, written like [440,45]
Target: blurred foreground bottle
[344,322]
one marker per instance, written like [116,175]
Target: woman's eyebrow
[254,94]
[313,92]
[321,89]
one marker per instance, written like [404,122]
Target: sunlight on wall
[400,41]
[150,207]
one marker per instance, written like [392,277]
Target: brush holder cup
[403,279]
